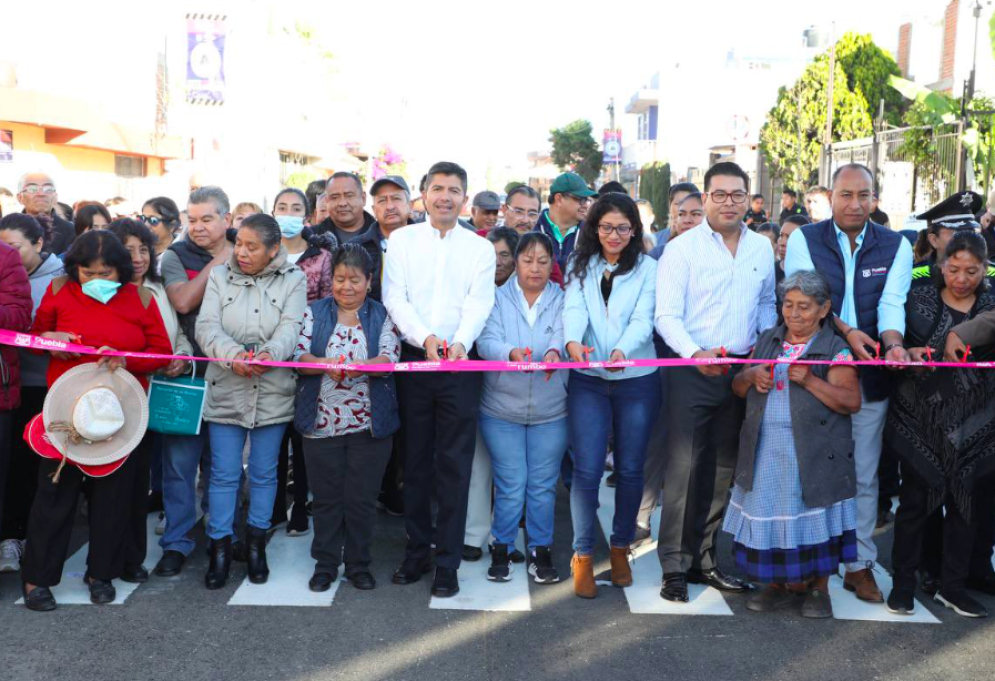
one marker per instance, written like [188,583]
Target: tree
[654,186]
[793,134]
[575,149]
[868,68]
[388,162]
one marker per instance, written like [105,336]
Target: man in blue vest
[869,269]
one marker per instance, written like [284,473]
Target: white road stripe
[479,593]
[847,606]
[74,591]
[291,566]
[644,594]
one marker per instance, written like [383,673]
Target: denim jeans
[596,407]
[227,444]
[181,459]
[525,461]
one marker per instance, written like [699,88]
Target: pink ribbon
[28,341]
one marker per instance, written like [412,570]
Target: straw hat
[93,416]
[38,440]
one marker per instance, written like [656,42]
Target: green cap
[570,183]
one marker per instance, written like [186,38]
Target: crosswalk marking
[846,606]
[72,590]
[644,594]
[479,593]
[291,566]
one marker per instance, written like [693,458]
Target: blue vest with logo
[874,261]
[383,394]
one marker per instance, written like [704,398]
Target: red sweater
[124,323]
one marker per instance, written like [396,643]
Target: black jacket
[326,226]
[62,236]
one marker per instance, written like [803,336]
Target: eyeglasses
[520,212]
[152,221]
[38,189]
[582,200]
[623,230]
[721,196]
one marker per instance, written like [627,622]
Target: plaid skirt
[792,566]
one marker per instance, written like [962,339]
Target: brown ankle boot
[621,570]
[583,572]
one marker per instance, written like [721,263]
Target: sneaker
[901,602]
[298,525]
[643,536]
[160,527]
[500,569]
[541,566]
[10,555]
[961,603]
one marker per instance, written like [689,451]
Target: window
[129,166]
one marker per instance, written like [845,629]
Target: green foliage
[654,186]
[301,178]
[792,136]
[575,149]
[867,68]
[936,107]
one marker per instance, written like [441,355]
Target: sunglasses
[152,221]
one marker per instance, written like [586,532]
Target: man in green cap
[569,197]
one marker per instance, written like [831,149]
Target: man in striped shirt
[715,294]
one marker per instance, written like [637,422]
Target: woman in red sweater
[94,304]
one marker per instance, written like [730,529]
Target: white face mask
[290,225]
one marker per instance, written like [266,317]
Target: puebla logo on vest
[874,272]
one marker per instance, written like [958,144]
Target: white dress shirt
[706,298]
[531,312]
[439,285]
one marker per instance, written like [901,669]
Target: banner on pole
[612,146]
[206,58]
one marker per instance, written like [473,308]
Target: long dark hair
[588,244]
[123,228]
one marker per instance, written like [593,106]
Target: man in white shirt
[715,294]
[439,290]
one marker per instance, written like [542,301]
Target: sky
[477,82]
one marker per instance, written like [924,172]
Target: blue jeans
[181,459]
[596,407]
[525,461]
[227,444]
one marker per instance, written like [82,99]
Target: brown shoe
[621,570]
[863,585]
[583,572]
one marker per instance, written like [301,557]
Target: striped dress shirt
[707,299]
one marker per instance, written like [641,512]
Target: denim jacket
[523,398]
[625,323]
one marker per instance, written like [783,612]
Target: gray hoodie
[523,398]
[34,367]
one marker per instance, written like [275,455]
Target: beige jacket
[978,331]
[262,313]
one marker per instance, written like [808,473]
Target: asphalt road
[177,630]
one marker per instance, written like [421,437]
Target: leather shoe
[363,580]
[135,574]
[862,583]
[411,570]
[446,583]
[322,581]
[675,588]
[39,599]
[472,553]
[817,605]
[717,579]
[101,590]
[170,565]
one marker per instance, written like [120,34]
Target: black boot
[255,540]
[220,565]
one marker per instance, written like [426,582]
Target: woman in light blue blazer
[608,316]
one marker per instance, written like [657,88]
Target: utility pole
[969,85]
[611,126]
[828,137]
